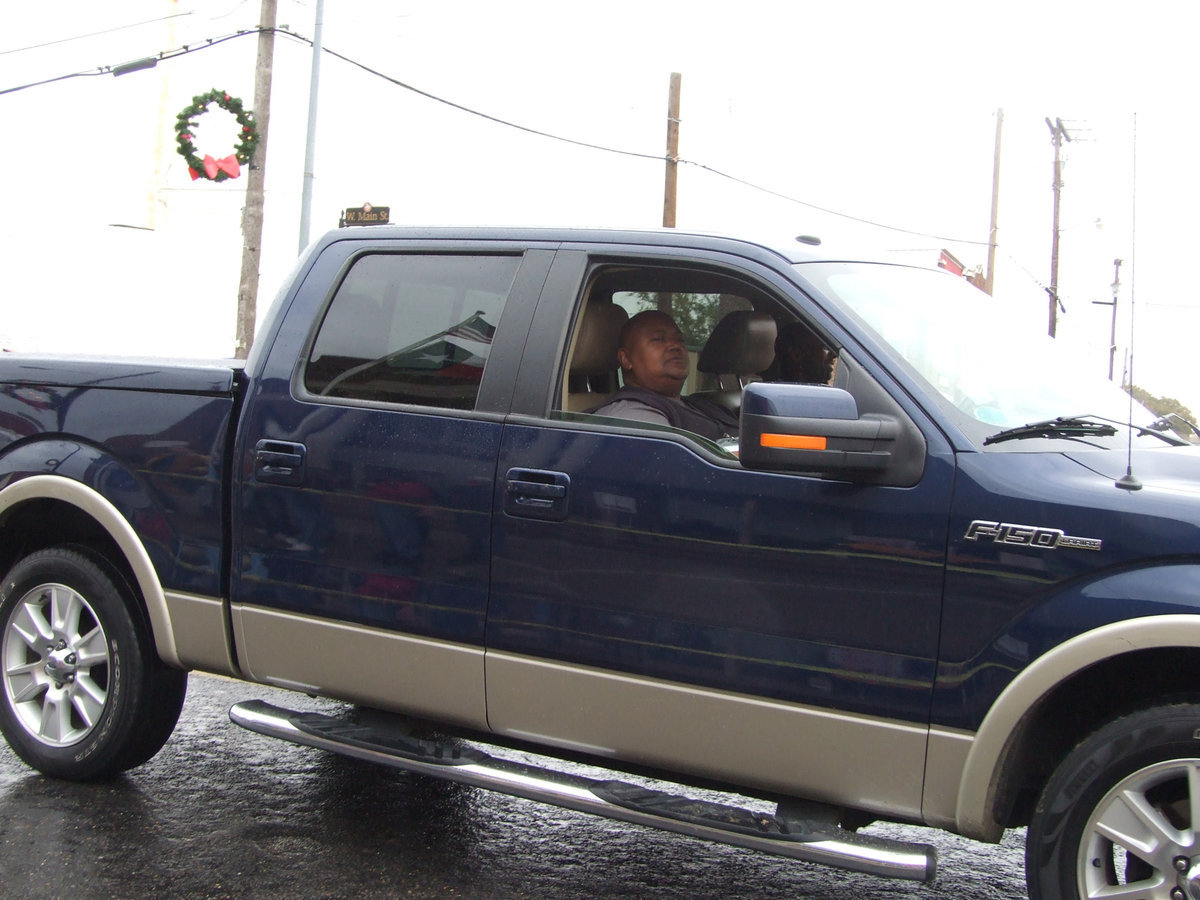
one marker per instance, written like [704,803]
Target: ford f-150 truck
[958,586]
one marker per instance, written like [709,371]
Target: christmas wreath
[208,167]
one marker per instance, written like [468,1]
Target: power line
[653,156]
[119,28]
[658,157]
[33,84]
[80,37]
[474,112]
[832,212]
[114,70]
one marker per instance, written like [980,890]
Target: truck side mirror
[812,428]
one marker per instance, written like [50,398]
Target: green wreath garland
[208,167]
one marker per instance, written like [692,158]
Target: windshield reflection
[985,367]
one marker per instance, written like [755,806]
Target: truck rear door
[368,454]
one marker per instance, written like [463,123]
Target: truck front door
[654,601]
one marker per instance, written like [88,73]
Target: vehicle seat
[739,349]
[592,378]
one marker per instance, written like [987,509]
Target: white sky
[880,110]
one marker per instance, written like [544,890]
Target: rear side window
[411,329]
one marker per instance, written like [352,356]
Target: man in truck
[654,367]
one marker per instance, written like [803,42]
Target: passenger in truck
[654,366]
[802,357]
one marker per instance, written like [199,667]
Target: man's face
[654,356]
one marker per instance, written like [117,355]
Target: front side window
[411,329]
[693,338]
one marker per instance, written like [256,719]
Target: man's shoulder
[633,403]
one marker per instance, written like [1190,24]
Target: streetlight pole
[310,144]
[1112,338]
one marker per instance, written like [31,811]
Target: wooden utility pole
[1058,133]
[989,280]
[252,215]
[669,188]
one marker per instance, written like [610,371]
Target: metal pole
[310,145]
[252,216]
[1112,337]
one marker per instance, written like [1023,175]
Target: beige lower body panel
[770,746]
[201,628]
[401,673]
[944,769]
[857,761]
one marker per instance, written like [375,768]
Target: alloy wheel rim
[56,665]
[1143,836]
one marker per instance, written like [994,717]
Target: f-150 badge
[1028,536]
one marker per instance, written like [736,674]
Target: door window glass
[411,329]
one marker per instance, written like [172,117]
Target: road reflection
[223,813]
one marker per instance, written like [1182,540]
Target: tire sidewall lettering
[98,738]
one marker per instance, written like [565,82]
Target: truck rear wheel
[85,695]
[1121,814]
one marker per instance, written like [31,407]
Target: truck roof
[792,250]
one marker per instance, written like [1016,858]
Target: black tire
[84,693]
[1150,758]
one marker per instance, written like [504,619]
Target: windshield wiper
[1062,427]
[1167,424]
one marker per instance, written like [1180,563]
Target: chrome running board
[797,837]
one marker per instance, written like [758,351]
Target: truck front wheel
[85,695]
[1121,814]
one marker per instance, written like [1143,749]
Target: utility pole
[1058,133]
[252,215]
[669,188]
[989,280]
[1112,337]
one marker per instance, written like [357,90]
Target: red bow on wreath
[228,165]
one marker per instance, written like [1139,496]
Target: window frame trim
[495,389]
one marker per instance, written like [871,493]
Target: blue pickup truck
[958,585]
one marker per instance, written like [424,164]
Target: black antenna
[1128,482]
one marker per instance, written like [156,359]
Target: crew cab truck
[958,586]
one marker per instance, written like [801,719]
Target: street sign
[366,215]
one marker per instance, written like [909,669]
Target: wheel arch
[1058,700]
[97,524]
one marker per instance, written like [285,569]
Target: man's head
[652,353]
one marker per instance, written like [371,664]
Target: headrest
[599,334]
[743,343]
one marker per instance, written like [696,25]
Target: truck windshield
[986,368]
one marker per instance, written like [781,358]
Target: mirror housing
[812,428]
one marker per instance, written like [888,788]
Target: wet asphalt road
[223,813]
